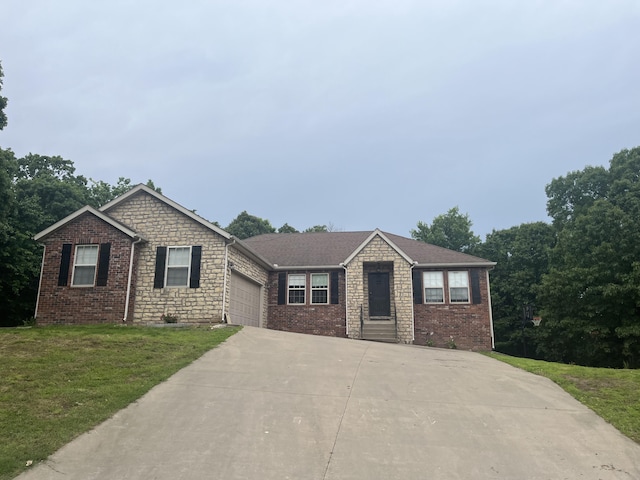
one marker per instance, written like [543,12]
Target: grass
[612,394]
[58,382]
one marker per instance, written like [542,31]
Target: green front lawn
[612,394]
[58,382]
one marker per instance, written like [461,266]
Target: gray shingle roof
[332,248]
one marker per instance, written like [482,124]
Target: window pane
[459,294]
[179,256]
[320,280]
[433,279]
[296,296]
[177,276]
[433,295]
[84,275]
[319,296]
[458,279]
[86,255]
[296,280]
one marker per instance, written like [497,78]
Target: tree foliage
[35,192]
[246,225]
[286,228]
[450,230]
[3,103]
[522,254]
[591,295]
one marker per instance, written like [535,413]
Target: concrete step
[382,332]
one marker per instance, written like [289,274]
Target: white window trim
[166,267]
[424,287]
[291,288]
[326,289]
[466,272]
[94,265]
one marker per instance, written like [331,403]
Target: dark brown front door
[379,297]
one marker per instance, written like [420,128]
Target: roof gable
[149,191]
[374,234]
[78,213]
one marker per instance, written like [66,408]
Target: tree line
[579,273]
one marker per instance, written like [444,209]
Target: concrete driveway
[275,405]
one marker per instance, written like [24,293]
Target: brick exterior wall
[379,251]
[67,304]
[323,319]
[467,325]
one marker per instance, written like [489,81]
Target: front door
[379,295]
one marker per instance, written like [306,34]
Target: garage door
[244,304]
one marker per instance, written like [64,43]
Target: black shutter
[65,260]
[334,288]
[196,255]
[161,260]
[417,287]
[282,288]
[103,264]
[476,294]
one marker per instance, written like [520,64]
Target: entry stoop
[379,332]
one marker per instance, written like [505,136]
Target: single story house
[143,258]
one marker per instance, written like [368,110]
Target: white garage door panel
[244,304]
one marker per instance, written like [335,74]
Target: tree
[522,255]
[101,193]
[591,296]
[451,230]
[245,226]
[286,228]
[316,228]
[3,103]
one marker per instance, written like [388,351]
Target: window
[84,265]
[297,284]
[433,287]
[319,288]
[178,263]
[458,287]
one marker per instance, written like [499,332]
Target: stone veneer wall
[327,320]
[162,225]
[380,251]
[466,325]
[251,269]
[84,305]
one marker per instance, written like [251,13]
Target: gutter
[126,304]
[224,281]
[35,313]
[413,312]
[346,300]
[493,339]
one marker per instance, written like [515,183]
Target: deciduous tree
[450,230]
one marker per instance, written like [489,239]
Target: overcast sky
[355,114]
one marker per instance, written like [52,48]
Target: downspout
[413,311]
[346,300]
[126,304]
[35,313]
[224,281]
[493,340]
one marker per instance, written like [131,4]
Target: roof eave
[454,265]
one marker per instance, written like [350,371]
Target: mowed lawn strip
[612,394]
[58,382]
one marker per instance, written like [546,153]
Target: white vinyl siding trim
[85,262]
[178,267]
